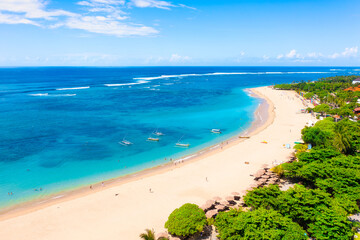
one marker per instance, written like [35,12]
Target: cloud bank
[110,17]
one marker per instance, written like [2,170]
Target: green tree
[322,108]
[342,139]
[186,220]
[148,235]
[264,197]
[329,224]
[257,224]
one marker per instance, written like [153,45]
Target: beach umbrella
[211,213]
[253,185]
[206,206]
[265,176]
[236,195]
[220,207]
[271,181]
[217,198]
[230,198]
[212,202]
[224,203]
[265,166]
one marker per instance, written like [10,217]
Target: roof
[353,89]
[357,109]
[336,116]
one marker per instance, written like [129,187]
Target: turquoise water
[60,128]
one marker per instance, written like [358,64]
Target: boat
[153,139]
[125,142]
[214,130]
[157,133]
[180,144]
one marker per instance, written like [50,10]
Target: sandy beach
[123,209]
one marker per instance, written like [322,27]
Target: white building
[356,81]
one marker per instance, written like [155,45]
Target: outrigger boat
[153,139]
[157,133]
[214,130]
[180,144]
[125,142]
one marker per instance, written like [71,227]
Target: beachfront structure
[356,81]
[357,110]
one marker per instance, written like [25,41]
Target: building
[356,81]
[357,110]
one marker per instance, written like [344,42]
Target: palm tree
[342,140]
[148,235]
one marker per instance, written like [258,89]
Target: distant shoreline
[263,117]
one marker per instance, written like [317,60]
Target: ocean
[60,127]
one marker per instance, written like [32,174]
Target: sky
[179,33]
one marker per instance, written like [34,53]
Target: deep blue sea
[60,127]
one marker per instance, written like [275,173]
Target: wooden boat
[153,139]
[214,130]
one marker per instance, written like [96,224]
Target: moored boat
[214,130]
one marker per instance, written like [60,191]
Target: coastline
[263,117]
[146,200]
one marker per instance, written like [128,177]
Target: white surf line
[74,88]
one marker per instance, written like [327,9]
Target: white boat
[125,142]
[180,144]
[214,130]
[157,133]
[153,139]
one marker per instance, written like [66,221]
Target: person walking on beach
[91,187]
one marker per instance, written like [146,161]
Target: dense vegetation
[326,193]
[186,220]
[326,178]
[330,93]
[258,224]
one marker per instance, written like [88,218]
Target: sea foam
[74,88]
[220,73]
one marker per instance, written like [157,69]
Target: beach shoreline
[263,117]
[145,200]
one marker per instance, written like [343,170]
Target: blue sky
[179,32]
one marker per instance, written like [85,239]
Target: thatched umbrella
[265,176]
[259,173]
[220,207]
[206,206]
[265,166]
[211,213]
[217,198]
[212,202]
[230,198]
[271,181]
[223,202]
[236,195]
[163,234]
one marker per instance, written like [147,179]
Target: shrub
[186,220]
[258,224]
[264,197]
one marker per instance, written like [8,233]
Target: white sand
[102,215]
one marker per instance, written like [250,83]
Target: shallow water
[60,128]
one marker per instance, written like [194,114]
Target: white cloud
[97,16]
[33,9]
[293,54]
[15,19]
[109,26]
[348,52]
[176,58]
[152,4]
